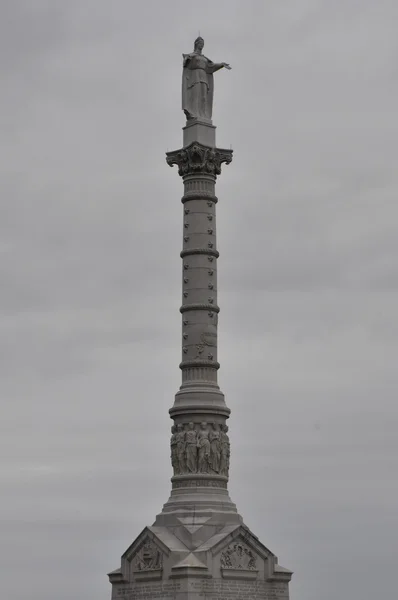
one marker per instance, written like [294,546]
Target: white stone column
[199,411]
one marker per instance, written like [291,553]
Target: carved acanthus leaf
[197,158]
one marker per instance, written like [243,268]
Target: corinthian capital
[196,158]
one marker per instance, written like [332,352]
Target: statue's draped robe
[197,86]
[192,450]
[215,450]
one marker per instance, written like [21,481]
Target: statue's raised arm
[197,83]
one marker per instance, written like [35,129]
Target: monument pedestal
[203,132]
[199,558]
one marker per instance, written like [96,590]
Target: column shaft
[199,443]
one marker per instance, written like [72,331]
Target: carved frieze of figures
[200,448]
[148,558]
[238,556]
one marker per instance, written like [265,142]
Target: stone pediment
[144,559]
[239,554]
[232,534]
[161,536]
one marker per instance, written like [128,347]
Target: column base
[188,557]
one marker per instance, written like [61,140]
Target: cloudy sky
[90,277]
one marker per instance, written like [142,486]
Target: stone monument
[198,546]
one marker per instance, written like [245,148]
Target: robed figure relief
[225,450]
[181,447]
[197,83]
[215,448]
[174,450]
[203,449]
[192,448]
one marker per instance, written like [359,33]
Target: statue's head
[199,44]
[190,425]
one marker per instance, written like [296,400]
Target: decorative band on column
[194,483]
[199,196]
[209,307]
[193,373]
[192,411]
[199,363]
[206,251]
[199,480]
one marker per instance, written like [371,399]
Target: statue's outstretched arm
[213,67]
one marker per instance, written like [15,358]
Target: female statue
[215,448]
[192,449]
[174,451]
[197,83]
[204,449]
[180,437]
[225,451]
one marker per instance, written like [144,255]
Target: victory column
[199,546]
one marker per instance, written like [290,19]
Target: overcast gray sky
[90,235]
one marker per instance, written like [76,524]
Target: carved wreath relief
[148,558]
[200,448]
[238,556]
